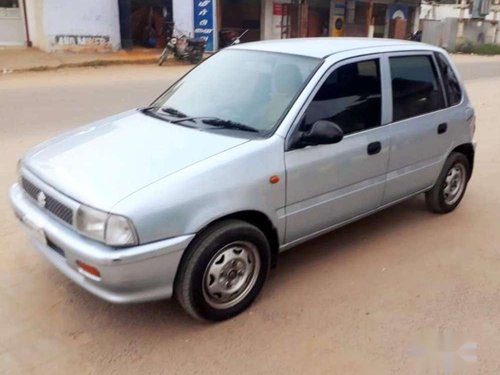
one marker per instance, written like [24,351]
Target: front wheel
[163,57]
[450,186]
[223,271]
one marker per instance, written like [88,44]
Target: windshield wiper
[173,112]
[213,121]
[152,111]
[228,124]
[168,110]
[147,109]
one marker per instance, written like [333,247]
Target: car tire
[450,186]
[223,270]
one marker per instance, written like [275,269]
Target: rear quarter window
[450,81]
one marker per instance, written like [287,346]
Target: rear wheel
[223,271]
[450,187]
[196,56]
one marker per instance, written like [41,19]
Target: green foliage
[479,49]
[464,47]
[486,49]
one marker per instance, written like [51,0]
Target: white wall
[183,15]
[34,13]
[81,24]
[11,27]
[266,20]
[442,11]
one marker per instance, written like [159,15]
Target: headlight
[119,231]
[114,230]
[91,222]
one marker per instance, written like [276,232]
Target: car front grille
[52,205]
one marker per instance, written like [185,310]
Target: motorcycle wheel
[196,57]
[163,57]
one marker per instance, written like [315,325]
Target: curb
[96,63]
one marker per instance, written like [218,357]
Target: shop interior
[237,16]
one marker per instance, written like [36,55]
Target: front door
[331,184]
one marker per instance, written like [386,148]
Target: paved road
[480,70]
[474,67]
[393,293]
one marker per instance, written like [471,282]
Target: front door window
[351,97]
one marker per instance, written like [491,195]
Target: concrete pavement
[14,59]
[397,293]
[475,66]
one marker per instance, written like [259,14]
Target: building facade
[276,19]
[105,25]
[452,25]
[53,25]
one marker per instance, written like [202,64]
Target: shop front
[380,18]
[145,23]
[314,18]
[236,17]
[296,19]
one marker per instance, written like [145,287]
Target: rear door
[330,184]
[420,129]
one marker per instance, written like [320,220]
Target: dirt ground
[402,292]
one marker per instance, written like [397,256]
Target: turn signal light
[87,268]
[274,179]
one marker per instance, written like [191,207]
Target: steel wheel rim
[454,184]
[231,274]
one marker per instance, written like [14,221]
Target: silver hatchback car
[261,147]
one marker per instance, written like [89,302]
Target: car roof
[325,46]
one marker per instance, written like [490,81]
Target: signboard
[280,20]
[338,26]
[398,11]
[204,22]
[338,18]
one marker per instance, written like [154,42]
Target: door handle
[442,128]
[374,148]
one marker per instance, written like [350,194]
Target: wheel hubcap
[454,184]
[231,274]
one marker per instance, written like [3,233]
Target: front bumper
[133,274]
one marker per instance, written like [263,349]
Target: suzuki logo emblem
[41,198]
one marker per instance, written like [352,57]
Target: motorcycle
[229,38]
[183,48]
[416,36]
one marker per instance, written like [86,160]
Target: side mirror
[322,132]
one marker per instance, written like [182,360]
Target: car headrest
[287,78]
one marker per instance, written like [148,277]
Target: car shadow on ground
[168,316]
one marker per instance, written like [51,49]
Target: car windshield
[237,89]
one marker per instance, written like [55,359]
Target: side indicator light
[274,179]
[88,270]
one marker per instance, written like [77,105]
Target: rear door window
[415,86]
